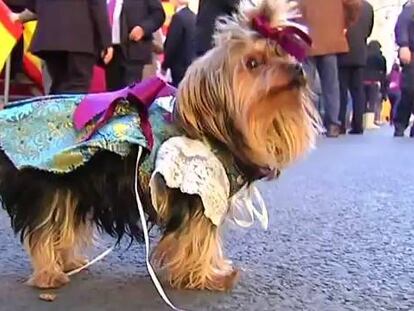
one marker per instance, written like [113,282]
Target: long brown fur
[58,243]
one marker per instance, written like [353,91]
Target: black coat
[149,14]
[16,5]
[208,12]
[179,45]
[357,36]
[376,68]
[70,25]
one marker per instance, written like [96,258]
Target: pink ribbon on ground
[104,104]
[290,37]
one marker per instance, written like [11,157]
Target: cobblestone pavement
[341,237]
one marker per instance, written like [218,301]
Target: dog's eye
[252,63]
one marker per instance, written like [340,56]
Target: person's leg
[344,75]
[80,70]
[114,70]
[328,74]
[405,106]
[309,67]
[133,72]
[358,98]
[56,64]
[378,108]
[397,100]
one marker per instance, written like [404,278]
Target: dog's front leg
[190,251]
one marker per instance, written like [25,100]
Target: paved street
[341,237]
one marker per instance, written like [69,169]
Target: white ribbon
[242,203]
[151,271]
[90,263]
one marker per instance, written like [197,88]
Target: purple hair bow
[290,37]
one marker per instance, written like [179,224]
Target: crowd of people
[344,70]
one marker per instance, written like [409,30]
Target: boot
[399,130]
[368,121]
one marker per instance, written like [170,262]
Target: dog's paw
[74,264]
[232,279]
[224,283]
[48,279]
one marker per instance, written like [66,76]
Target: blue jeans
[327,67]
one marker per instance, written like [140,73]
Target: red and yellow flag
[32,65]
[9,33]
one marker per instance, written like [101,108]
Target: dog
[242,113]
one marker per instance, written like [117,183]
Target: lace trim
[189,165]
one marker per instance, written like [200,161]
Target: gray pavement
[341,237]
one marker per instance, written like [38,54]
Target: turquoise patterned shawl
[39,133]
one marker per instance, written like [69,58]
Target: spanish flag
[9,33]
[32,65]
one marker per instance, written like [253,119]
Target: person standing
[178,46]
[133,24]
[208,12]
[375,76]
[328,36]
[351,69]
[393,89]
[69,36]
[404,34]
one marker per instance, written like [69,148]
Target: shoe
[412,131]
[399,131]
[356,132]
[368,121]
[342,131]
[333,131]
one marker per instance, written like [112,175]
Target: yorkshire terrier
[242,113]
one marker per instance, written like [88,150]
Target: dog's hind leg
[50,241]
[73,256]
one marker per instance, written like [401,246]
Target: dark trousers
[406,105]
[121,72]
[70,72]
[177,74]
[350,80]
[394,97]
[372,95]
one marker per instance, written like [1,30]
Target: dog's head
[249,92]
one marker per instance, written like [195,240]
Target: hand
[107,55]
[405,55]
[136,33]
[14,17]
